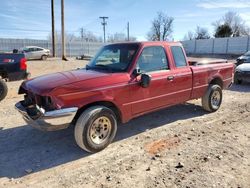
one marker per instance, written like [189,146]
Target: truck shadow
[24,149]
[244,87]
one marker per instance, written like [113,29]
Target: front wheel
[95,128]
[3,89]
[211,101]
[44,57]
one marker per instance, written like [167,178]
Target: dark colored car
[242,73]
[13,67]
[245,58]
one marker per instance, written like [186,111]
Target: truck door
[154,62]
[182,75]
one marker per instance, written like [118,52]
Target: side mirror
[137,72]
[145,80]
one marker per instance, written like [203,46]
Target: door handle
[170,78]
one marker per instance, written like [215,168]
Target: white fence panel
[237,45]
[220,46]
[189,46]
[204,46]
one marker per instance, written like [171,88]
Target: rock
[219,157]
[109,178]
[206,159]
[157,155]
[153,158]
[180,165]
[29,170]
[179,154]
[192,129]
[148,169]
[188,138]
[223,122]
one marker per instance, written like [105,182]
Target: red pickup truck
[121,82]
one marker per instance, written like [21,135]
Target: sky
[32,18]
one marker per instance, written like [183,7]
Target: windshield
[114,57]
[247,53]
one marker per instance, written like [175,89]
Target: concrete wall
[236,45]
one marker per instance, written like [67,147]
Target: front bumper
[49,121]
[22,75]
[244,76]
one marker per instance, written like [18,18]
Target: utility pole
[63,37]
[53,29]
[104,23]
[128,31]
[81,32]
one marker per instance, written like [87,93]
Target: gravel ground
[181,146]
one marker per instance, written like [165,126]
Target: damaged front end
[39,112]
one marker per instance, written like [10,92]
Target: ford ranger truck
[123,81]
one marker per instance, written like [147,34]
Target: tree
[201,33]
[223,31]
[189,36]
[162,27]
[235,22]
[119,37]
[88,36]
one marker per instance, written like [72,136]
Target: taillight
[23,64]
[8,60]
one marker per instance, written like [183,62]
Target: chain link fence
[73,48]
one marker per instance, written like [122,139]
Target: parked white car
[35,52]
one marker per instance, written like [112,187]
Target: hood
[243,67]
[46,83]
[243,57]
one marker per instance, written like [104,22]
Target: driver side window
[152,59]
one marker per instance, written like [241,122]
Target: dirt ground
[181,146]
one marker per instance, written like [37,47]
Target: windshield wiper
[103,67]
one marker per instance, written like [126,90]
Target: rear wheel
[44,57]
[3,89]
[95,128]
[211,101]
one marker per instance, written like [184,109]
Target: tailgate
[12,66]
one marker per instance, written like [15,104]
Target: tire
[212,99]
[3,89]
[44,57]
[92,137]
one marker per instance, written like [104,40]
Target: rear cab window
[153,58]
[179,57]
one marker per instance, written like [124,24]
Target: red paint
[82,87]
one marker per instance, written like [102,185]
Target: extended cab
[13,67]
[122,81]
